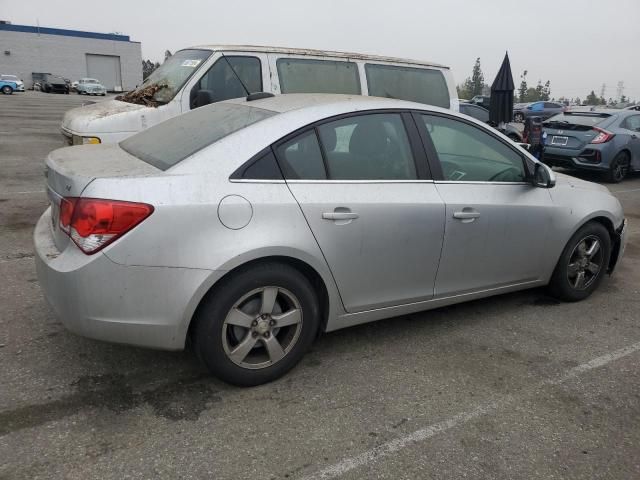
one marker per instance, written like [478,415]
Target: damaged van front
[156,100]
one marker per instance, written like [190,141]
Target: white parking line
[397,444]
[625,191]
[27,192]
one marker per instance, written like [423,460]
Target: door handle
[466,215]
[340,216]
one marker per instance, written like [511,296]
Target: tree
[148,67]
[592,99]
[522,90]
[623,99]
[477,79]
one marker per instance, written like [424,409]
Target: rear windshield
[170,142]
[408,83]
[298,75]
[586,119]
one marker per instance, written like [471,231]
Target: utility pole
[602,90]
[620,90]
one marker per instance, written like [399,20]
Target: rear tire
[583,263]
[618,168]
[7,90]
[257,324]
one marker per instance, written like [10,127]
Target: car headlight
[78,140]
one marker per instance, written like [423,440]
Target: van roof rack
[259,95]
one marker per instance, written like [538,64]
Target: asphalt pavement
[515,386]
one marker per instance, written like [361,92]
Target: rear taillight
[94,223]
[603,136]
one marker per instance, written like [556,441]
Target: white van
[200,75]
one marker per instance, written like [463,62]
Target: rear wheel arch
[301,266]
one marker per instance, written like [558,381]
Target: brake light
[603,136]
[94,223]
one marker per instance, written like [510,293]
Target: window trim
[434,159]
[194,92]
[423,171]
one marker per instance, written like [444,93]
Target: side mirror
[203,97]
[543,176]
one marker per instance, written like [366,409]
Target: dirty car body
[360,198]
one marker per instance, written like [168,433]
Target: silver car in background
[249,226]
[90,86]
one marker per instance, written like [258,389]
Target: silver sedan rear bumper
[98,298]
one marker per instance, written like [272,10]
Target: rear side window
[170,142]
[224,83]
[299,75]
[632,123]
[301,158]
[408,83]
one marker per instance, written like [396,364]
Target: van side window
[421,85]
[223,83]
[299,75]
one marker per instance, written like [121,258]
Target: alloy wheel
[620,169]
[262,327]
[585,263]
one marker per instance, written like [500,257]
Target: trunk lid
[69,170]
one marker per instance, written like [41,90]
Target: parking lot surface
[515,386]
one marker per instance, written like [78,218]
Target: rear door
[363,184]
[632,126]
[497,223]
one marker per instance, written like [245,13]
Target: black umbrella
[501,101]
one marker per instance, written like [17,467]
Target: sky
[578,45]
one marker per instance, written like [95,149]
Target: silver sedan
[249,226]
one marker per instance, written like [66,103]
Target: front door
[497,222]
[373,210]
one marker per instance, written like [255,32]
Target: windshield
[164,83]
[170,142]
[11,78]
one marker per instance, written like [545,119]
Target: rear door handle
[340,216]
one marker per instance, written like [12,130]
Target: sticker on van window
[191,63]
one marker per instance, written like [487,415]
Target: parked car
[536,109]
[19,84]
[90,86]
[195,77]
[249,226]
[74,85]
[482,100]
[603,140]
[482,114]
[7,88]
[633,107]
[54,84]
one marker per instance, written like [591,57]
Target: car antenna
[236,74]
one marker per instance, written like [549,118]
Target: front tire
[7,90]
[583,263]
[618,168]
[257,324]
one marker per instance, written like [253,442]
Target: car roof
[318,53]
[331,104]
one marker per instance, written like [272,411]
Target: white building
[113,59]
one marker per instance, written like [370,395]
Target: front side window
[368,147]
[300,75]
[408,83]
[469,154]
[223,82]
